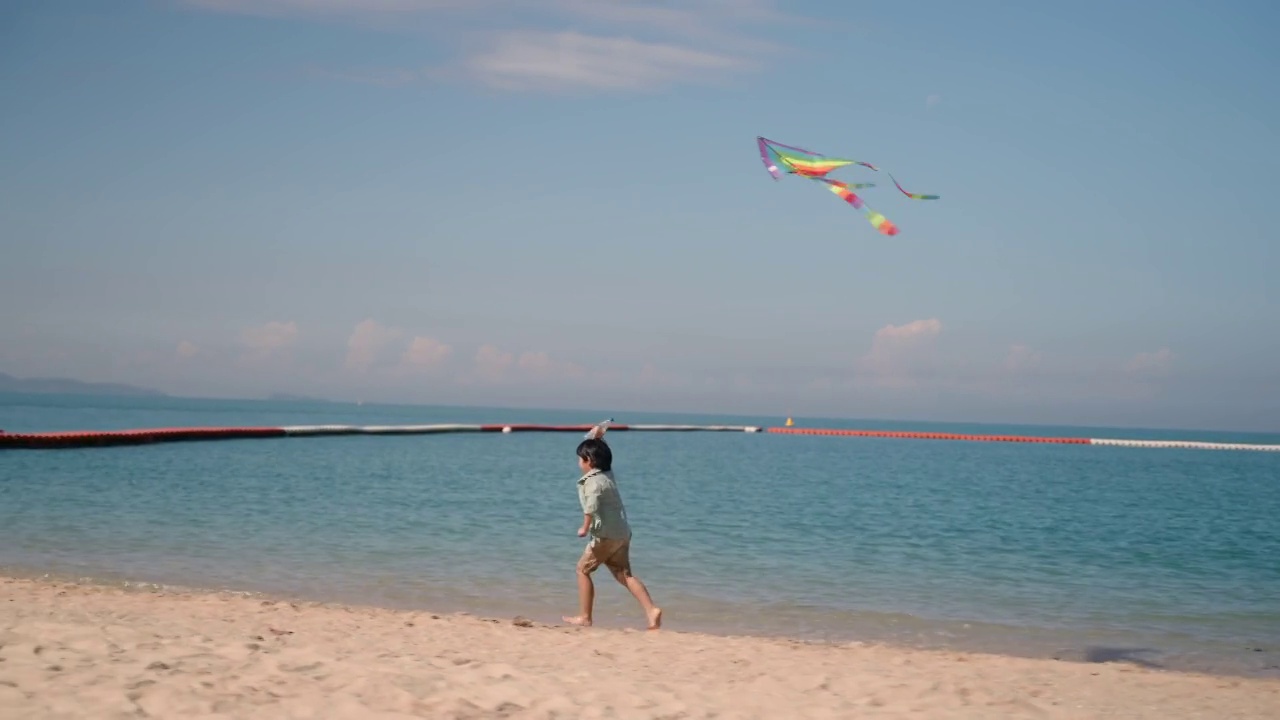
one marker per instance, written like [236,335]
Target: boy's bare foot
[655,618]
[576,620]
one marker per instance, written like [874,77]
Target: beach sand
[76,651]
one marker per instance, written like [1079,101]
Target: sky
[559,203]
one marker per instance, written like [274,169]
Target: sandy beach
[74,651]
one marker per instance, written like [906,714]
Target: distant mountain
[290,397]
[67,386]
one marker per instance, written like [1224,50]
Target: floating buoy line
[101,438]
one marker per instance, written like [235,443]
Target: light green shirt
[599,496]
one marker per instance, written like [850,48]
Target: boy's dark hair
[596,452]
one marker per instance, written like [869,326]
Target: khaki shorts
[614,554]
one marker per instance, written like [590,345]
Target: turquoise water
[1167,557]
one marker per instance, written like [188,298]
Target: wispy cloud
[899,352]
[425,353]
[379,352]
[266,343]
[902,370]
[366,343]
[932,101]
[539,61]
[651,377]
[1150,363]
[1021,357]
[492,364]
[553,45]
[393,77]
[271,336]
[338,8]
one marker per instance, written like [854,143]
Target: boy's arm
[590,497]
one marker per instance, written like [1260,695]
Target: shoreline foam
[72,650]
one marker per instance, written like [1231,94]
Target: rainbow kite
[799,161]
[779,158]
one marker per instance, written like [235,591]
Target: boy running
[604,516]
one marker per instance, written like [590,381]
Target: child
[606,519]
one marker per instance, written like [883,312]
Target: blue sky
[560,203]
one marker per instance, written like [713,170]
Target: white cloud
[335,8]
[1021,357]
[820,384]
[891,342]
[393,77]
[492,363]
[187,349]
[621,45]
[367,342]
[899,352]
[425,353]
[379,350]
[537,61]
[699,17]
[543,366]
[1154,363]
[268,338]
[652,377]
[538,362]
[268,344]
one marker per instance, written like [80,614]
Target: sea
[1161,557]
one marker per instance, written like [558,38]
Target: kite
[779,158]
[799,161]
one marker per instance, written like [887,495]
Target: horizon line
[616,412]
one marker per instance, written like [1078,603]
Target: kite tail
[881,223]
[842,191]
[878,221]
[913,196]
[843,184]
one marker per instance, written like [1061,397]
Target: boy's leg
[595,554]
[586,598]
[620,565]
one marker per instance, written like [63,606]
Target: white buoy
[506,430]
